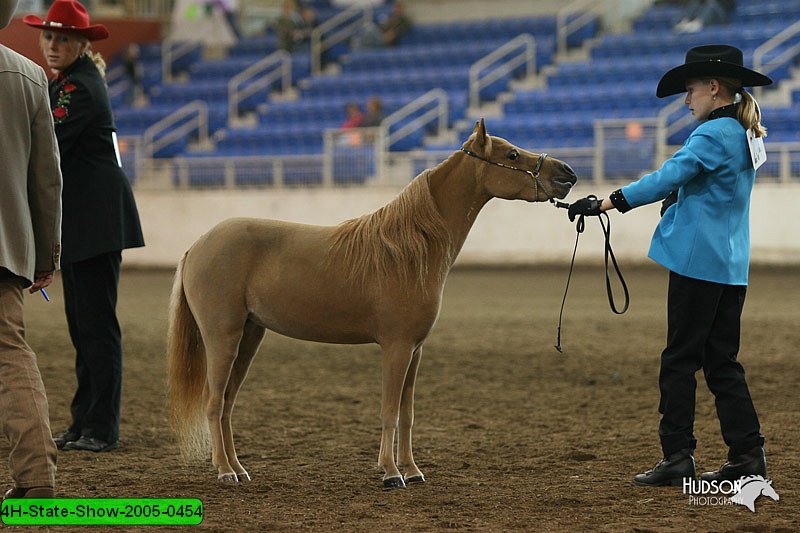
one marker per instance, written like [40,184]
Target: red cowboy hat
[68,16]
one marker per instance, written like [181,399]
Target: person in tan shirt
[30,234]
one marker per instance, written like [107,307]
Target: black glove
[668,201]
[589,206]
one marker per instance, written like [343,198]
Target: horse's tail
[187,373]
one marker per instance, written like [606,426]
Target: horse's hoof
[227,478]
[415,479]
[244,476]
[394,483]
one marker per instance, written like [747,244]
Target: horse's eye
[513,155]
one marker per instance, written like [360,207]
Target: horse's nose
[569,173]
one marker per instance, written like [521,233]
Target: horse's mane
[749,479]
[399,239]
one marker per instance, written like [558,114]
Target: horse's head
[512,173]
[750,488]
[769,491]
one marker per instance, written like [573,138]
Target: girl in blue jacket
[703,238]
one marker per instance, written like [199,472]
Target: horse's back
[239,233]
[277,273]
[238,242]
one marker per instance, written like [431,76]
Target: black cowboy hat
[710,60]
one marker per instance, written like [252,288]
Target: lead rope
[580,226]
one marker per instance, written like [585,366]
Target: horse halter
[533,174]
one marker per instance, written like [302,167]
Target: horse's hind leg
[396,361]
[405,455]
[221,352]
[251,339]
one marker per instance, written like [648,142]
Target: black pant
[703,332]
[90,296]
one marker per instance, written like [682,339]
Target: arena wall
[505,232]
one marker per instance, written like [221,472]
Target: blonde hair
[749,113]
[97,59]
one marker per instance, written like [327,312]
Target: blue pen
[47,298]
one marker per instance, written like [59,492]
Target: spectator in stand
[372,118]
[287,25]
[397,25]
[30,231]
[701,13]
[308,21]
[353,117]
[133,69]
[388,32]
[374,114]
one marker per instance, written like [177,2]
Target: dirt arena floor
[512,435]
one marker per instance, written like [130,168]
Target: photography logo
[744,491]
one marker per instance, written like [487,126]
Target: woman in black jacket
[99,220]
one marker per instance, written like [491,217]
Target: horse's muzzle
[566,180]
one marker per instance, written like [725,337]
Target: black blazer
[99,211]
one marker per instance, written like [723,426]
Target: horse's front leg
[396,361]
[405,454]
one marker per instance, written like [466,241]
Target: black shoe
[752,463]
[669,471]
[64,437]
[90,444]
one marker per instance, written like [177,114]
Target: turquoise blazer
[706,233]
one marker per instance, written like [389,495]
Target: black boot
[669,471]
[64,437]
[752,463]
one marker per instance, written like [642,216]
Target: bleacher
[616,83]
[612,83]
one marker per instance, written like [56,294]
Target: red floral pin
[61,110]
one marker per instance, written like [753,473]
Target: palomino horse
[378,278]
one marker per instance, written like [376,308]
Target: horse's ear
[481,138]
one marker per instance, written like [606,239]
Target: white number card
[758,154]
[119,159]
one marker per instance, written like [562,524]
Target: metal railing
[439,113]
[615,15]
[171,51]
[582,12]
[161,9]
[152,142]
[335,30]
[247,171]
[498,63]
[349,156]
[262,74]
[347,166]
[781,59]
[625,145]
[112,75]
[787,156]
